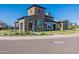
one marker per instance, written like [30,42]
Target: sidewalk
[36,37]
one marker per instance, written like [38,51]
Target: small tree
[73,26]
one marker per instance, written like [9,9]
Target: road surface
[61,45]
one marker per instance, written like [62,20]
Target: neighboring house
[37,20]
[62,24]
[16,25]
[73,24]
[2,25]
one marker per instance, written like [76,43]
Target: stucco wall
[23,26]
[33,11]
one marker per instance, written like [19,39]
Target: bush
[28,33]
[22,34]
[5,34]
[16,33]
[33,34]
[42,34]
[11,34]
[71,27]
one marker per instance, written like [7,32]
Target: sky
[9,13]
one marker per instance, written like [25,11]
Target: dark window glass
[39,10]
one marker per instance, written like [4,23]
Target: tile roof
[25,17]
[48,16]
[35,6]
[1,22]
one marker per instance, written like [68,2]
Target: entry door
[54,26]
[30,26]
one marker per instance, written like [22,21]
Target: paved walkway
[36,37]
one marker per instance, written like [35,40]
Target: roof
[1,22]
[35,6]
[22,18]
[61,21]
[34,15]
[48,20]
[25,17]
[16,21]
[48,16]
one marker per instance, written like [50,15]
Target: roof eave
[36,6]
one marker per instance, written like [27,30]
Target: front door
[30,26]
[54,26]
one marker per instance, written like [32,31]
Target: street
[62,45]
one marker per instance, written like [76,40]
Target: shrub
[28,33]
[11,34]
[42,34]
[5,34]
[22,33]
[33,34]
[16,33]
[71,27]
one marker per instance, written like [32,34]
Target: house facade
[37,20]
[3,25]
[62,25]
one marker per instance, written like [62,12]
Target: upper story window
[39,10]
[30,11]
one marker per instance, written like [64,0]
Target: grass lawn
[13,33]
[58,32]
[64,32]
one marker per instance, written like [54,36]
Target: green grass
[14,33]
[58,32]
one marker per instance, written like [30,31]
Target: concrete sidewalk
[36,37]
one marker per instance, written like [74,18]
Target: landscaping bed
[17,33]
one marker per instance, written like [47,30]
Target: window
[39,10]
[30,11]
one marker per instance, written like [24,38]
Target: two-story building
[36,20]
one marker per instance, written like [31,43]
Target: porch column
[22,25]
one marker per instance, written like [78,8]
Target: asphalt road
[66,45]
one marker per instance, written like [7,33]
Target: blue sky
[9,13]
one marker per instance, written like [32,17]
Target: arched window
[39,10]
[30,11]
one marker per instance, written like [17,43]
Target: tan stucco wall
[63,25]
[33,11]
[23,26]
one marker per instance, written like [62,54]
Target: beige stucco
[63,25]
[35,13]
[23,26]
